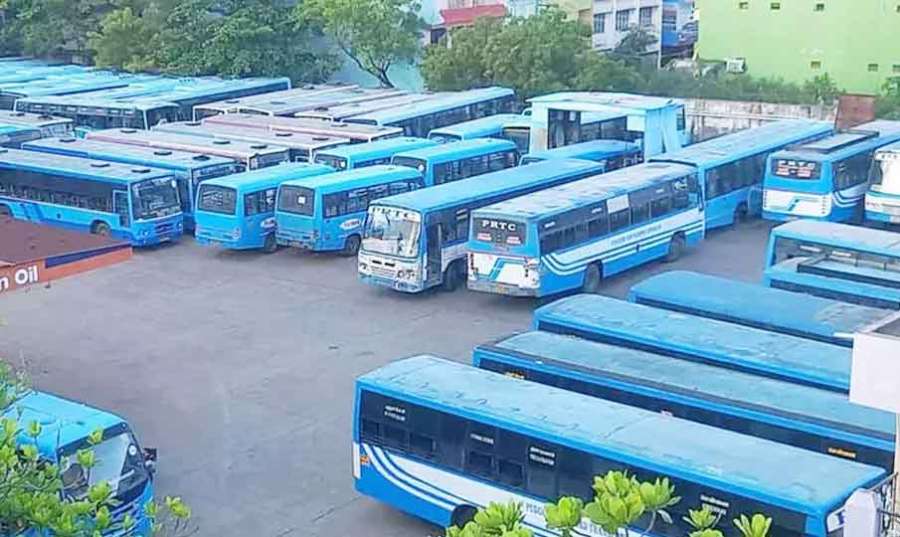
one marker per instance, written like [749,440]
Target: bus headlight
[406,274]
[363,267]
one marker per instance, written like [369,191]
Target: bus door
[120,206]
[433,268]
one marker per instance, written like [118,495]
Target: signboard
[18,276]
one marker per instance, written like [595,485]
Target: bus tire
[101,228]
[676,248]
[462,515]
[270,246]
[5,211]
[351,246]
[741,214]
[593,277]
[452,277]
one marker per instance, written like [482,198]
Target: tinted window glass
[297,200]
[217,199]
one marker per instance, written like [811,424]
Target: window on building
[896,68]
[815,64]
[645,16]
[743,5]
[820,6]
[775,6]
[600,23]
[623,20]
[873,67]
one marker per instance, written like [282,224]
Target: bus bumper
[219,243]
[396,285]
[159,233]
[485,286]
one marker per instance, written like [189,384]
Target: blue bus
[437,439]
[826,179]
[295,101]
[607,125]
[16,135]
[357,134]
[349,157]
[137,204]
[613,154]
[575,235]
[339,112]
[416,241]
[883,196]
[48,125]
[732,167]
[455,161]
[302,147]
[190,169]
[484,127]
[774,310]
[327,212]
[120,460]
[418,119]
[687,337]
[837,261]
[14,96]
[237,212]
[801,416]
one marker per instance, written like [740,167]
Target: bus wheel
[740,214]
[452,277]
[351,246]
[462,515]
[676,248]
[592,280]
[271,245]
[5,211]
[100,228]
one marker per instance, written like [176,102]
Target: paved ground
[239,367]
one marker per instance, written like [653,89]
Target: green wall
[846,37]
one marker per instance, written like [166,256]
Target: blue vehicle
[357,134]
[136,204]
[883,196]
[327,212]
[13,96]
[826,179]
[237,212]
[420,118]
[16,135]
[573,236]
[65,428]
[454,161]
[484,127]
[190,169]
[338,111]
[607,125]
[732,167]
[48,125]
[686,337]
[437,439]
[294,101]
[837,261]
[613,154]
[801,416]
[765,308]
[350,157]
[416,241]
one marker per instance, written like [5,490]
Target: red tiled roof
[465,16]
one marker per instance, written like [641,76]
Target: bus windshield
[886,175]
[811,253]
[796,169]
[519,136]
[408,162]
[217,199]
[119,462]
[392,232]
[338,163]
[444,138]
[297,200]
[155,198]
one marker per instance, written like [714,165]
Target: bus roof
[442,102]
[250,134]
[786,476]
[289,103]
[270,176]
[842,235]
[569,196]
[358,177]
[746,142]
[95,149]
[15,129]
[497,121]
[33,120]
[342,110]
[759,351]
[680,377]
[606,147]
[862,138]
[274,101]
[618,100]
[295,124]
[184,142]
[111,171]
[437,153]
[62,85]
[746,303]
[473,188]
[38,72]
[378,147]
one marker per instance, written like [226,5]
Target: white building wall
[608,34]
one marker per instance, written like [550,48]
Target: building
[613,19]
[575,9]
[852,41]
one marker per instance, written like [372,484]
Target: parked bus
[294,101]
[883,196]
[732,167]
[190,169]
[48,125]
[302,147]
[16,135]
[454,161]
[136,204]
[15,96]
[250,155]
[418,119]
[355,133]
[437,439]
[65,426]
[765,308]
[339,112]
[484,127]
[687,337]
[327,212]
[847,263]
[416,241]
[349,157]
[237,212]
[801,416]
[575,235]
[826,179]
[612,154]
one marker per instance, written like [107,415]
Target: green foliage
[564,515]
[756,526]
[496,520]
[706,533]
[466,64]
[634,45]
[125,40]
[822,89]
[617,502]
[701,519]
[374,34]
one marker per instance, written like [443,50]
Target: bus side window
[120,202]
[852,171]
[542,470]
[619,220]
[443,173]
[480,449]
[573,466]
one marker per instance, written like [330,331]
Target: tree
[822,88]
[496,520]
[59,28]
[374,34]
[633,46]
[464,65]
[124,41]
